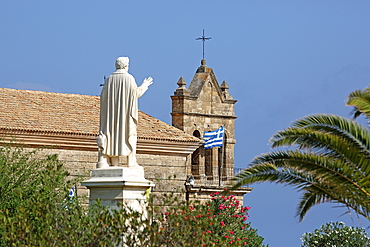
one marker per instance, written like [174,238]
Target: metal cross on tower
[203,38]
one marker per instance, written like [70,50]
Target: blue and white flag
[214,138]
[72,194]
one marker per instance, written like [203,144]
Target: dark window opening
[195,159]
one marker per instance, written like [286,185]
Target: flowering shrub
[219,222]
[336,234]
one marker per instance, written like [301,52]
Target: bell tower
[206,106]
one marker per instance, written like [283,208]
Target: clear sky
[282,60]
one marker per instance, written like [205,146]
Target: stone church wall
[166,171]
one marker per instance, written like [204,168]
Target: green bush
[336,234]
[35,209]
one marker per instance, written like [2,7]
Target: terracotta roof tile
[70,114]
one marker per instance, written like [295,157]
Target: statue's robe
[119,113]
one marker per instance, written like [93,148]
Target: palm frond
[331,170]
[360,100]
[339,126]
[329,135]
[317,189]
[308,200]
[327,179]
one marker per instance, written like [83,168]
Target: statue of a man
[119,116]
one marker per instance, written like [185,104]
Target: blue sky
[282,60]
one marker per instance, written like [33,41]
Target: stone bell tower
[206,106]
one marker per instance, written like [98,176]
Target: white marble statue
[119,116]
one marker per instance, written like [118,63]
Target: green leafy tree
[336,234]
[31,188]
[24,178]
[326,157]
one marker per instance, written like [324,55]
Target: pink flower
[222,223]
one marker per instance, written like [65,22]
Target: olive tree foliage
[336,234]
[35,210]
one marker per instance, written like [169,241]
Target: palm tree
[360,100]
[329,162]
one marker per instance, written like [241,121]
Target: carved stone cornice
[87,142]
[201,114]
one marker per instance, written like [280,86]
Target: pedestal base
[115,185]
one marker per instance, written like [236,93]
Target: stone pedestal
[114,185]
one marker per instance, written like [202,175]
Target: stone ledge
[117,177]
[88,143]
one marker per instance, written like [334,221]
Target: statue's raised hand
[148,81]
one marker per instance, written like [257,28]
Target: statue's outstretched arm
[144,86]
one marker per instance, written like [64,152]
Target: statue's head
[122,63]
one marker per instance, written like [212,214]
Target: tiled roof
[71,114]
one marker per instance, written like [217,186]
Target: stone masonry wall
[167,172]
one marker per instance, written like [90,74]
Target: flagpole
[213,139]
[222,159]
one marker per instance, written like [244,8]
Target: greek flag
[214,138]
[71,194]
